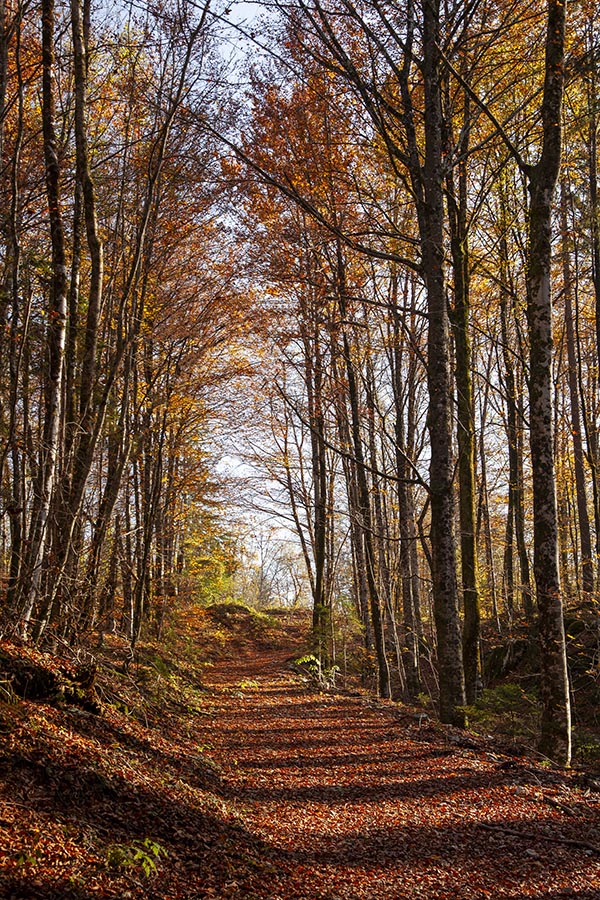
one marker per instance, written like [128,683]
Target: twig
[562,807]
[543,837]
[8,803]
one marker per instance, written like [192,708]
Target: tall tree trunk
[363,494]
[379,521]
[514,417]
[406,520]
[439,418]
[359,565]
[314,386]
[19,323]
[585,537]
[554,684]
[465,426]
[483,523]
[591,429]
[56,337]
[515,513]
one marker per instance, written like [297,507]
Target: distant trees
[115,311]
[424,145]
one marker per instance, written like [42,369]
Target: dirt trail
[255,786]
[349,799]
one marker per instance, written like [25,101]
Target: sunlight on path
[353,801]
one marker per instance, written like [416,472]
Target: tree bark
[363,495]
[585,537]
[465,427]
[56,336]
[406,519]
[554,686]
[439,418]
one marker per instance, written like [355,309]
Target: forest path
[349,799]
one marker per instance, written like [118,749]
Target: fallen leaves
[255,787]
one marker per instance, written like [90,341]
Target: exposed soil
[268,788]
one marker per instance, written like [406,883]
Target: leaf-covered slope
[234,778]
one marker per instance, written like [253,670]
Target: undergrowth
[507,711]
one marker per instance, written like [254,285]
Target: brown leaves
[262,789]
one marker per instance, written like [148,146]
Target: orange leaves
[301,134]
[259,789]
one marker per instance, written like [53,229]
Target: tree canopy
[353,247]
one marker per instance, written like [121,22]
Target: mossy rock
[518,654]
[37,676]
[239,616]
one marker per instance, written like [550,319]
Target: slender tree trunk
[591,428]
[363,495]
[465,428]
[379,521]
[554,684]
[118,456]
[585,537]
[514,418]
[483,523]
[514,483]
[593,173]
[56,336]
[314,385]
[406,524]
[20,309]
[292,492]
[439,419]
[359,566]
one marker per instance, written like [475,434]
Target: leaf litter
[256,786]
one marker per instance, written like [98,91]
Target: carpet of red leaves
[271,790]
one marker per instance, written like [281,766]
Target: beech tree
[394,117]
[419,73]
[367,234]
[92,433]
[543,176]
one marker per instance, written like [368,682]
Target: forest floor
[236,778]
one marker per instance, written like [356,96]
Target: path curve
[352,800]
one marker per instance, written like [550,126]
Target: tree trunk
[379,521]
[465,428]
[314,386]
[585,537]
[554,685]
[439,418]
[56,337]
[363,495]
[514,419]
[406,519]
[589,421]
